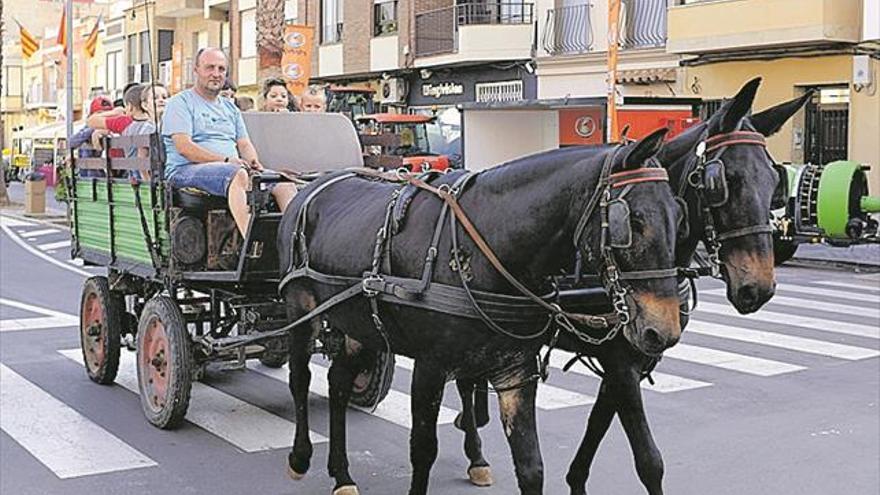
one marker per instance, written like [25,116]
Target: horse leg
[478,472]
[426,393]
[481,402]
[299,459]
[597,426]
[631,410]
[341,376]
[518,418]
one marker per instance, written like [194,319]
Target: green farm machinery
[825,203]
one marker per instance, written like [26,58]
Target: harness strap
[628,177]
[754,229]
[648,274]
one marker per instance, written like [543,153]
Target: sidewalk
[867,255]
[54,209]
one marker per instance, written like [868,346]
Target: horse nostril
[748,296]
[653,340]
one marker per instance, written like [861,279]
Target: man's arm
[248,153]
[197,154]
[82,137]
[98,120]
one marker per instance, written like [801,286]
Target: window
[290,10]
[224,37]
[708,108]
[114,80]
[12,81]
[331,21]
[384,17]
[249,34]
[166,41]
[499,91]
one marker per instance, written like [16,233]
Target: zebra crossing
[806,327]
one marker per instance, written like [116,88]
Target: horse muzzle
[750,279]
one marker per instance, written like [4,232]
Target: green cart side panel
[834,196]
[92,219]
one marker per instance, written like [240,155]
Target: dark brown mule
[741,207]
[536,214]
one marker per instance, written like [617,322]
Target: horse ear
[644,149]
[739,106]
[771,120]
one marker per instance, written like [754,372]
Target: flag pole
[68,5]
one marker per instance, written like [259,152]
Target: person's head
[275,95]
[157,93]
[132,100]
[228,89]
[313,100]
[100,104]
[244,103]
[210,71]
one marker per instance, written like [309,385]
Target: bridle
[710,185]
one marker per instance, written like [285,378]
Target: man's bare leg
[284,194]
[237,196]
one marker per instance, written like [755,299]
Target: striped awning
[646,76]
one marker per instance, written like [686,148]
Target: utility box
[35,195]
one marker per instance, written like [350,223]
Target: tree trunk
[4,194]
[270,33]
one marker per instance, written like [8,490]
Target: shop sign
[442,89]
[581,126]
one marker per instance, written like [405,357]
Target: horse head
[632,242]
[727,179]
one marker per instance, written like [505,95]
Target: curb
[829,264]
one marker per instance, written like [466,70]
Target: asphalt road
[784,402]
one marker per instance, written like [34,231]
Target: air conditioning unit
[393,90]
[165,73]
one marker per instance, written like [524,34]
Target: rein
[696,179]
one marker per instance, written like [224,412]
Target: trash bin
[34,194]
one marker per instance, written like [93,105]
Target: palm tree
[270,34]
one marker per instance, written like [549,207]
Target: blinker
[619,227]
[715,183]
[780,194]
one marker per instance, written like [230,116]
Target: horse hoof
[346,490]
[294,475]
[480,475]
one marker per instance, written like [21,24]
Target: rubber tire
[276,353]
[112,307]
[375,391]
[181,359]
[783,250]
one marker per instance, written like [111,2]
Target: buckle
[368,285]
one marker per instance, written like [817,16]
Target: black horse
[537,213]
[728,192]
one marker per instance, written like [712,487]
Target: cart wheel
[100,322]
[783,250]
[164,363]
[276,353]
[368,388]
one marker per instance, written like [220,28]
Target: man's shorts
[212,178]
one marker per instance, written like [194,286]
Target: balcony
[643,24]
[697,26]
[568,30]
[474,32]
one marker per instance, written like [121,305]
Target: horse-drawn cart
[183,288]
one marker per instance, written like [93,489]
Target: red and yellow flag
[62,31]
[92,40]
[29,44]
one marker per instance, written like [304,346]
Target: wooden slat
[91,163]
[384,140]
[138,141]
[137,163]
[383,161]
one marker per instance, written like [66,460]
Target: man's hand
[98,137]
[256,165]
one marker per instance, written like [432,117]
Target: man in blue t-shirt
[206,143]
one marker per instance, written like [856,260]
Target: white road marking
[244,425]
[549,397]
[37,233]
[395,408]
[76,262]
[799,302]
[49,319]
[729,360]
[62,439]
[833,283]
[36,252]
[14,222]
[818,291]
[788,319]
[790,342]
[54,245]
[663,383]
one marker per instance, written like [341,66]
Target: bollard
[35,194]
